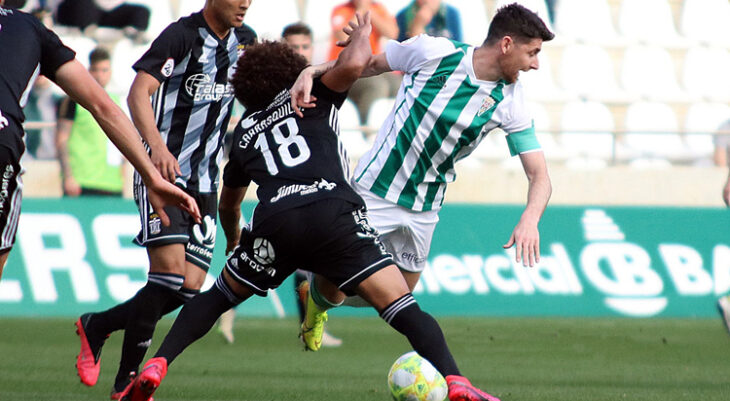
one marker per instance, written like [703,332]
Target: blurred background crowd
[630,91]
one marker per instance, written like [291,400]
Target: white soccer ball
[263,251]
[412,378]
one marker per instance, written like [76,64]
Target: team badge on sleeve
[167,68]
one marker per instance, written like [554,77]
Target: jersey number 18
[286,143]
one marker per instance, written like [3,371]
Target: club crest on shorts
[487,104]
[155,224]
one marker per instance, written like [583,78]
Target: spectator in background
[722,147]
[431,17]
[299,37]
[90,165]
[41,108]
[365,91]
[132,18]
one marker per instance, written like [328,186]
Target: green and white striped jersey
[441,113]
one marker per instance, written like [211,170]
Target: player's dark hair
[99,54]
[263,71]
[518,22]
[297,28]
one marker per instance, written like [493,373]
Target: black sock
[115,318]
[144,311]
[195,319]
[422,331]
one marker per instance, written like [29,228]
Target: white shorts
[405,233]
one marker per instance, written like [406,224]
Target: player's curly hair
[263,71]
[519,22]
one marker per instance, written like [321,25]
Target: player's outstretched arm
[354,58]
[143,87]
[526,236]
[229,213]
[76,81]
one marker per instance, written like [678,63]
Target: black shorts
[11,195]
[330,237]
[199,239]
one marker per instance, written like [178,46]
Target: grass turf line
[513,358]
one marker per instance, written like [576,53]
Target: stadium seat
[268,18]
[317,14]
[543,131]
[586,21]
[587,132]
[706,21]
[648,72]
[124,55]
[650,22]
[587,71]
[161,15]
[350,133]
[187,7]
[540,85]
[652,132]
[82,45]
[538,6]
[705,73]
[474,21]
[701,121]
[377,113]
[394,6]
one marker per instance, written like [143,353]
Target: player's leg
[196,318]
[388,292]
[10,200]
[244,275]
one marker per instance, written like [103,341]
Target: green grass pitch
[512,358]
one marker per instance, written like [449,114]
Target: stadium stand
[609,60]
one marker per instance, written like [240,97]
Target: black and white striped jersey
[194,101]
[28,49]
[294,161]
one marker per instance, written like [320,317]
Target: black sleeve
[165,53]
[234,176]
[67,109]
[321,91]
[54,53]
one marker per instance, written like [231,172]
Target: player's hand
[162,193]
[71,187]
[526,239]
[166,164]
[360,26]
[301,92]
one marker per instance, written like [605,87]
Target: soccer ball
[412,378]
[263,251]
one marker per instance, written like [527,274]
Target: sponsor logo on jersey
[303,190]
[487,104]
[3,121]
[5,186]
[167,68]
[283,111]
[202,88]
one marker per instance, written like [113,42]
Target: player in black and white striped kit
[308,215]
[30,49]
[181,103]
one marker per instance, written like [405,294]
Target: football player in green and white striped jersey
[451,97]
